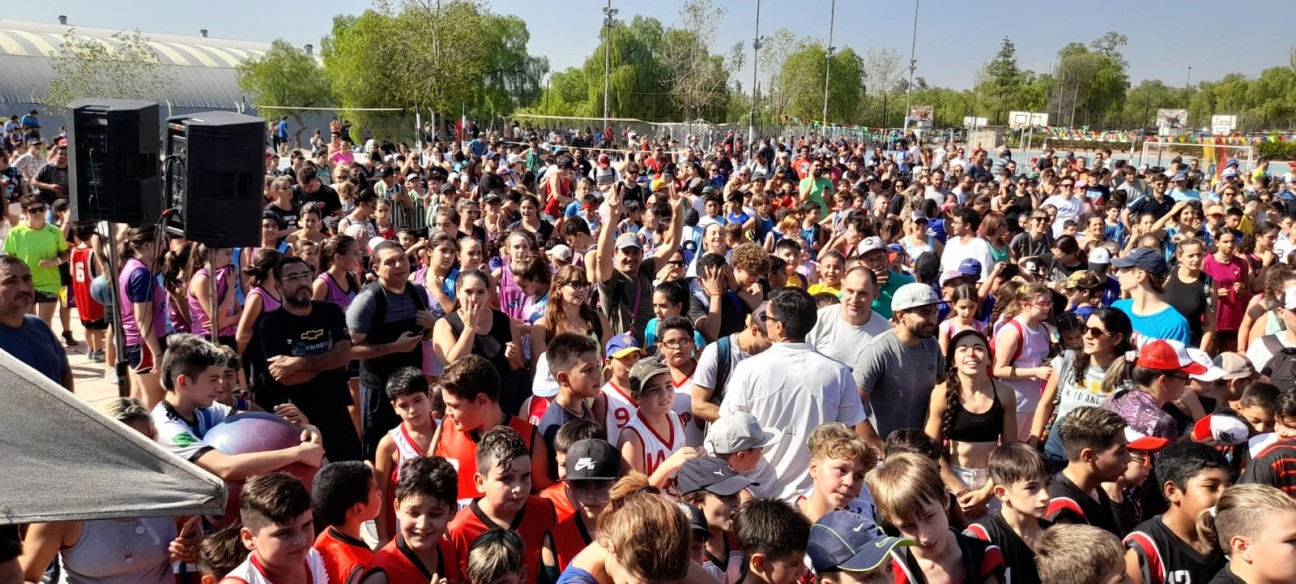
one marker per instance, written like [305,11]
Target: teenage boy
[425,502]
[739,440]
[569,434]
[1167,548]
[621,354]
[773,536]
[709,484]
[1097,451]
[192,373]
[503,476]
[911,497]
[1020,480]
[344,495]
[846,548]
[839,459]
[277,531]
[410,397]
[591,468]
[470,389]
[1080,554]
[574,364]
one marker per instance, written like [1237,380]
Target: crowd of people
[515,361]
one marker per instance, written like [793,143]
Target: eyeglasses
[1066,185]
[676,263]
[299,276]
[677,343]
[1180,377]
[36,210]
[1094,331]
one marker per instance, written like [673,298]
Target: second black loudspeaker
[215,174]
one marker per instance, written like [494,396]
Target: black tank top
[1188,299]
[985,427]
[1166,559]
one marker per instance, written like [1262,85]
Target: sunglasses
[1094,331]
[36,210]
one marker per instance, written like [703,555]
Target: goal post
[1213,156]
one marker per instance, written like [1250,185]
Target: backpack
[1281,368]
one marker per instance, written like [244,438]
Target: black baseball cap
[697,520]
[592,459]
[708,473]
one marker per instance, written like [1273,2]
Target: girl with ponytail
[972,414]
[1021,348]
[1255,526]
[642,537]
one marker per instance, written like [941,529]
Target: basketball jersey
[536,408]
[557,494]
[401,564]
[460,448]
[251,571]
[1019,558]
[535,519]
[88,309]
[569,537]
[620,408]
[406,449]
[657,448]
[683,407]
[1166,559]
[344,557]
[731,568]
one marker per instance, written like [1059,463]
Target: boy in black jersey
[1167,548]
[1097,452]
[1021,481]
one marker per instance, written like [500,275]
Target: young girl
[1254,526]
[263,297]
[621,552]
[1020,349]
[1192,293]
[962,317]
[971,413]
[383,224]
[669,299]
[200,301]
[831,267]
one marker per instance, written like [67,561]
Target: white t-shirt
[842,341]
[683,407]
[1067,209]
[956,251]
[178,436]
[620,409]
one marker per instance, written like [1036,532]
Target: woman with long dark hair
[143,312]
[262,298]
[205,264]
[569,312]
[475,328]
[1191,291]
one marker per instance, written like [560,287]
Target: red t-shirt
[401,564]
[535,519]
[343,555]
[460,448]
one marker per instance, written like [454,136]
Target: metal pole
[751,117]
[108,243]
[608,13]
[913,64]
[832,15]
[1188,88]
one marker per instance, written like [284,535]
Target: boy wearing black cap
[699,530]
[846,548]
[711,485]
[591,468]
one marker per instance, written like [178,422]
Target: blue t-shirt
[34,344]
[574,575]
[282,129]
[1167,324]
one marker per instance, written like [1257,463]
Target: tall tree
[802,78]
[699,81]
[125,68]
[285,77]
[999,83]
[774,52]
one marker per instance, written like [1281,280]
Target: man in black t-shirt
[310,189]
[301,352]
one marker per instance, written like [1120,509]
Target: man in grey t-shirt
[845,330]
[898,369]
[706,396]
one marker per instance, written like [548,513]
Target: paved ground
[92,382]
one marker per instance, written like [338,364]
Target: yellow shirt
[817,288]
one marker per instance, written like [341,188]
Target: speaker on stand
[113,169]
[215,177]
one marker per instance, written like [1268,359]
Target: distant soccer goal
[1212,156]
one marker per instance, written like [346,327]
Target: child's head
[470,387]
[839,460]
[1095,438]
[1020,478]
[913,441]
[574,362]
[1254,525]
[910,496]
[496,557]
[193,368]
[846,548]
[1079,554]
[221,552]
[590,468]
[1285,413]
[774,537]
[964,300]
[1192,475]
[623,352]
[700,529]
[277,523]
[503,469]
[709,483]
[345,492]
[407,388]
[229,379]
[738,439]
[636,509]
[1257,406]
[570,433]
[425,500]
[650,386]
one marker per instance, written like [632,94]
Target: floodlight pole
[832,15]
[608,14]
[913,64]
[751,117]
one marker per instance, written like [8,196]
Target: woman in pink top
[264,296]
[1232,276]
[200,297]
[1021,348]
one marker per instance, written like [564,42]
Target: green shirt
[33,245]
[882,305]
[817,188]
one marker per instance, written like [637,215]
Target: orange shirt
[343,555]
[534,520]
[557,494]
[401,564]
[460,448]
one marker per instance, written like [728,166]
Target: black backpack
[1281,368]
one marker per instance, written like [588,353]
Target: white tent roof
[62,460]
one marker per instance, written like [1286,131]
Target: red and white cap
[1221,430]
[1142,442]
[1168,355]
[1212,373]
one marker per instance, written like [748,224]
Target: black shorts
[65,275]
[46,297]
[95,325]
[135,353]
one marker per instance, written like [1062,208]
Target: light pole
[1188,87]
[751,117]
[832,15]
[913,64]
[608,13]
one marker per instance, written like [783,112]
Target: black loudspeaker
[114,169]
[215,174]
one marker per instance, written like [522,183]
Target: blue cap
[621,345]
[1147,259]
[1232,162]
[849,542]
[970,267]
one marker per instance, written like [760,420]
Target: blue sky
[954,37]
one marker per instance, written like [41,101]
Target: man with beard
[301,351]
[25,336]
[624,275]
[898,370]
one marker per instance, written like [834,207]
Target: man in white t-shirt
[843,330]
[964,243]
[1069,207]
[1261,350]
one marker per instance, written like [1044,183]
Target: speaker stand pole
[107,231]
[213,320]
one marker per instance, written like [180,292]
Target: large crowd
[516,360]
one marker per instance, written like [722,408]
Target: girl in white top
[1021,347]
[652,442]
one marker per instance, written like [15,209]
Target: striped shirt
[1274,466]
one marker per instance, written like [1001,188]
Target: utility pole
[608,14]
[1188,88]
[913,64]
[832,15]
[751,117]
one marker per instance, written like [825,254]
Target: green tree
[1089,84]
[125,68]
[698,80]
[637,80]
[1000,83]
[774,52]
[802,82]
[288,78]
